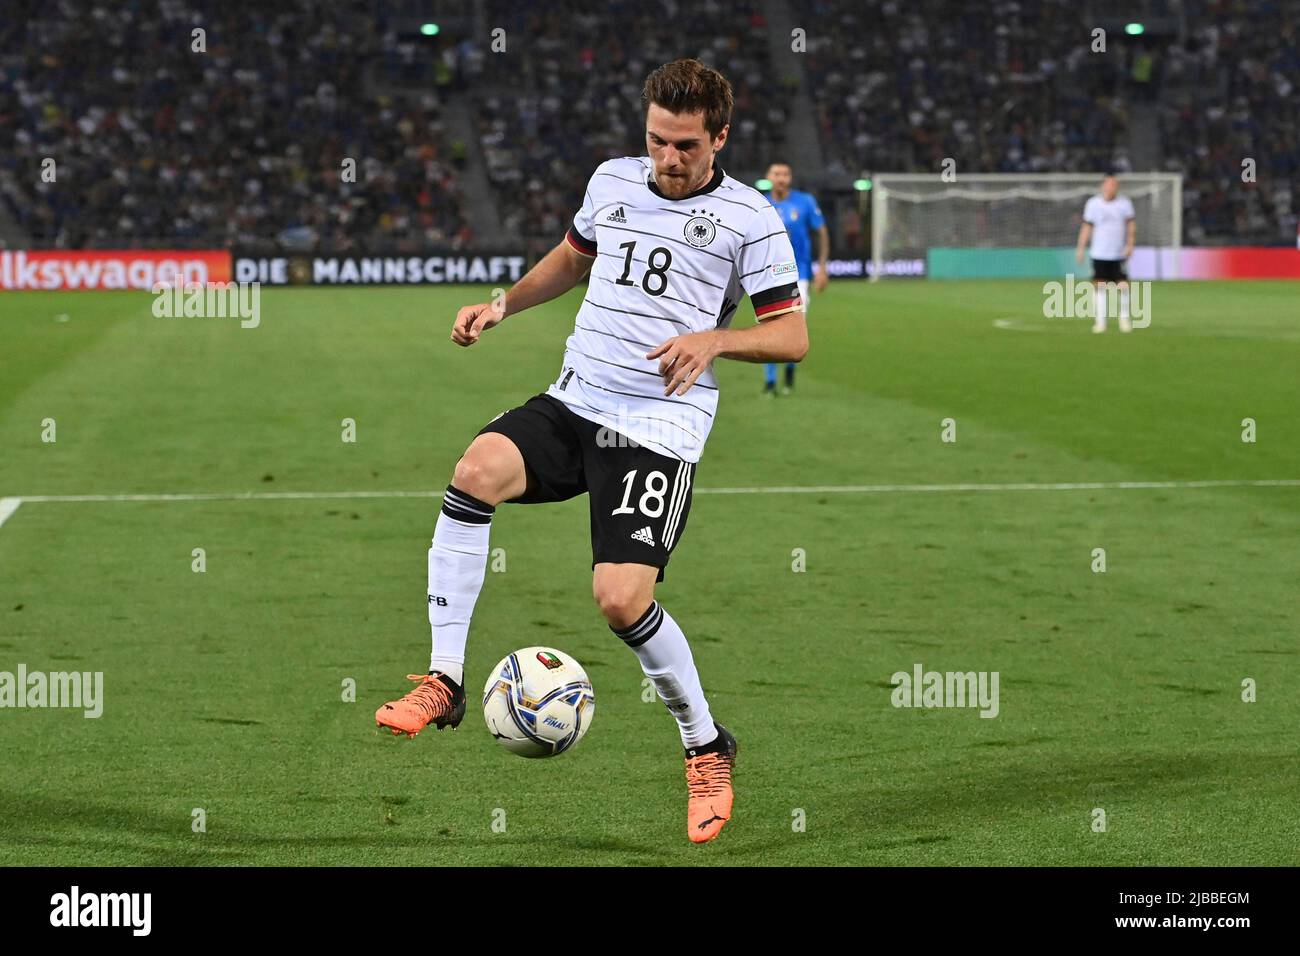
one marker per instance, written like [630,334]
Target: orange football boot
[437,700]
[708,786]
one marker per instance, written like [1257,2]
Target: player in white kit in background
[672,244]
[1111,224]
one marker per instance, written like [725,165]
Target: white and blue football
[538,702]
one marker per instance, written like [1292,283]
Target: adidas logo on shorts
[645,536]
[617,216]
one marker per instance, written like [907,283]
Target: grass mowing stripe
[14,502]
[838,541]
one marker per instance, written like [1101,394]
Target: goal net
[1013,224]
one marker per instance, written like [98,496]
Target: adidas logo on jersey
[617,216]
[645,536]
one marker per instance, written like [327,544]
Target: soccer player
[671,243]
[802,217]
[1111,224]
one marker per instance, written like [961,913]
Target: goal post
[998,225]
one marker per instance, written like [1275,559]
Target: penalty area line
[7,508]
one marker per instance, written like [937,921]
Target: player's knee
[492,470]
[477,475]
[622,602]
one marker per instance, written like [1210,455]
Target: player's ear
[721,139]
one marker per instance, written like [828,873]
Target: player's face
[1109,187]
[779,175]
[681,148]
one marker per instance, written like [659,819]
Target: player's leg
[640,501]
[491,471]
[1099,296]
[1125,323]
[769,378]
[804,294]
[529,454]
[625,593]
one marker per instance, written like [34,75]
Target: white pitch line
[1009,486]
[234,496]
[12,503]
[7,508]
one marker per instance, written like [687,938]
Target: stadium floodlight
[1031,217]
[1134,29]
[762,185]
[429,29]
[862,185]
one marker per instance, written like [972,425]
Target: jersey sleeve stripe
[683,273]
[644,315]
[635,182]
[580,242]
[776,300]
[629,368]
[779,232]
[777,308]
[775,295]
[652,398]
[737,202]
[663,238]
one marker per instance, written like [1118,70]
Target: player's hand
[820,280]
[683,359]
[1078,256]
[472,320]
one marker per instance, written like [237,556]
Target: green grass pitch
[223,690]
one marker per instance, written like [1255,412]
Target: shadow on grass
[140,837]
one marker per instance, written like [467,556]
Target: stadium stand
[565,109]
[1228,94]
[242,147]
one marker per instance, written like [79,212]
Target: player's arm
[1085,233]
[683,358]
[559,271]
[821,275]
[765,268]
[1132,238]
[780,339]
[821,278]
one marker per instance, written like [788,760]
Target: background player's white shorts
[803,294]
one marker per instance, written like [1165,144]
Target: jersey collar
[718,174]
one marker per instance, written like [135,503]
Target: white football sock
[457,566]
[666,659]
[1123,306]
[1099,320]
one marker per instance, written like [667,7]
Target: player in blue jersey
[802,218]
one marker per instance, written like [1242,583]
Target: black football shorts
[639,499]
[1108,270]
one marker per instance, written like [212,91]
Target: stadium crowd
[242,145]
[245,146]
[572,98]
[1229,95]
[901,86]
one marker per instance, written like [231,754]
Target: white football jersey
[665,267]
[1109,226]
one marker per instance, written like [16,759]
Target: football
[538,702]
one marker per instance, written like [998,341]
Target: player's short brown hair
[688,86]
